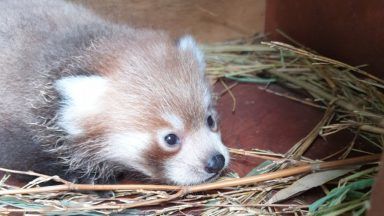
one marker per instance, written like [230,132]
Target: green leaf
[307,182]
[251,79]
[337,192]
[18,203]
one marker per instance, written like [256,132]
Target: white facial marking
[207,99]
[187,167]
[81,98]
[128,148]
[187,43]
[175,121]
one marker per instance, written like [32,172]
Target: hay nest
[351,99]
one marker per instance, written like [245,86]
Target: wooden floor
[265,121]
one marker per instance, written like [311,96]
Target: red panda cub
[90,100]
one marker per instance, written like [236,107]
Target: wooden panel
[207,20]
[348,30]
[377,197]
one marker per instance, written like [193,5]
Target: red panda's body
[88,99]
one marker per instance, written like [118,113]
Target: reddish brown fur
[138,76]
[167,64]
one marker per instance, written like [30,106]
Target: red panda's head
[151,110]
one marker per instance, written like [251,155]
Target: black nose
[215,164]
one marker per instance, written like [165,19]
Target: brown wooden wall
[348,30]
[207,20]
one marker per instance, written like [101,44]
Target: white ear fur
[81,96]
[187,43]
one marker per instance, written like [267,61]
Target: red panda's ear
[188,44]
[81,89]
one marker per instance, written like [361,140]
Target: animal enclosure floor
[265,121]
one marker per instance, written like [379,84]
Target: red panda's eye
[210,122]
[171,139]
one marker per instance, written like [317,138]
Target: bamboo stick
[203,187]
